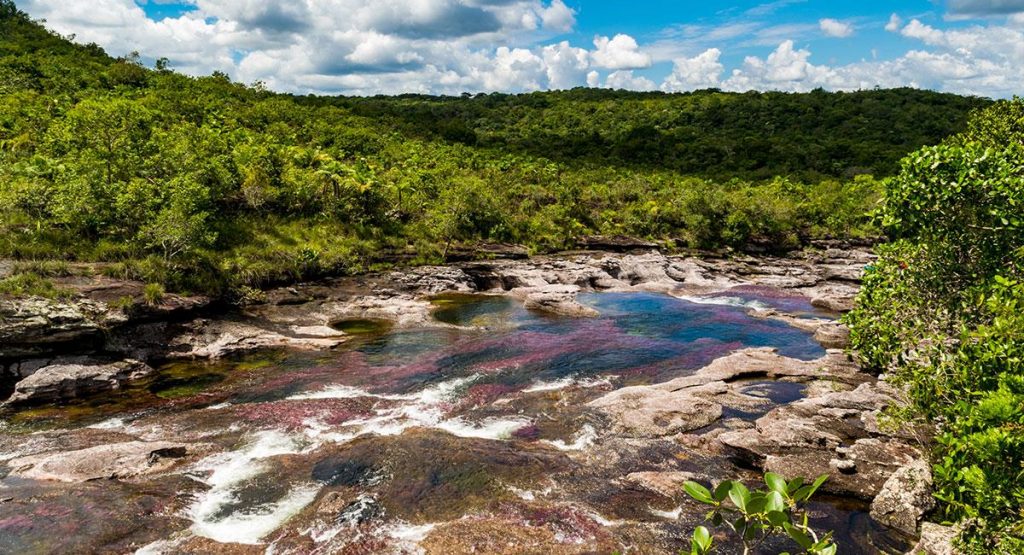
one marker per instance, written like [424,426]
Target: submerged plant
[755,516]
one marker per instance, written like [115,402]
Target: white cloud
[835,28]
[625,79]
[894,24]
[700,72]
[566,66]
[454,46]
[558,17]
[619,52]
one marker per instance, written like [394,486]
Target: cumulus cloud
[619,52]
[975,60]
[835,28]
[349,46]
[625,79]
[700,72]
[454,46]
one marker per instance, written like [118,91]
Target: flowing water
[448,435]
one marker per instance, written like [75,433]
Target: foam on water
[668,515]
[586,438]
[230,471]
[423,409]
[724,300]
[564,383]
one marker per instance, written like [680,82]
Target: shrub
[153,293]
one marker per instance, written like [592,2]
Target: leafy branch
[755,516]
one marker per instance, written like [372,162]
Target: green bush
[943,313]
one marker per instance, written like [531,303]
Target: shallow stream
[469,434]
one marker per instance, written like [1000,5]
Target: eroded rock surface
[905,498]
[66,381]
[114,461]
[835,434]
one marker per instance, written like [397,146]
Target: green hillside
[202,184]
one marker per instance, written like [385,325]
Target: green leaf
[698,492]
[775,482]
[774,501]
[722,491]
[757,503]
[778,518]
[703,537]
[798,536]
[740,495]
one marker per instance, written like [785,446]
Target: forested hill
[713,133]
[203,184]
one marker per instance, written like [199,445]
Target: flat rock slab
[835,434]
[114,461]
[63,382]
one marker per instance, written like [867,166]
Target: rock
[115,461]
[833,304]
[216,339]
[559,300]
[669,484]
[905,498]
[648,412]
[33,326]
[62,382]
[615,243]
[936,539]
[833,335]
[487,251]
[834,434]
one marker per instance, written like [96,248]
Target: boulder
[114,461]
[647,412]
[33,326]
[63,382]
[905,498]
[560,300]
[220,338]
[936,539]
[833,335]
[833,303]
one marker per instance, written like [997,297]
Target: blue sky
[450,46]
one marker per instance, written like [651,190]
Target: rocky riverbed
[552,404]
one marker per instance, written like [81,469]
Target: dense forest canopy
[202,184]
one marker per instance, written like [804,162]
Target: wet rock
[115,461]
[219,338]
[651,412]
[692,402]
[559,300]
[936,539]
[402,310]
[834,304]
[833,335]
[834,434]
[63,382]
[905,498]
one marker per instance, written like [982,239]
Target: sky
[362,47]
